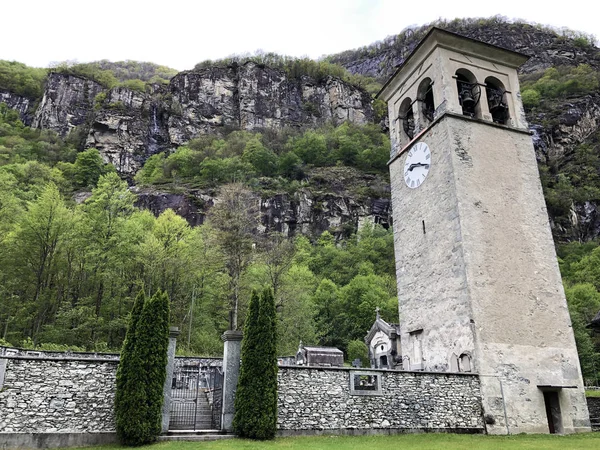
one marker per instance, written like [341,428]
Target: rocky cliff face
[556,136]
[128,126]
[68,102]
[19,103]
[251,97]
[558,128]
[305,212]
[545,47]
[329,202]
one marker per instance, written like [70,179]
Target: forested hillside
[298,142]
[69,271]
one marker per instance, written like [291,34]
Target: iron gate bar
[190,411]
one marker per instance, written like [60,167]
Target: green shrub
[99,100]
[245,397]
[116,106]
[152,345]
[357,349]
[152,171]
[297,68]
[530,98]
[262,159]
[88,70]
[184,162]
[557,82]
[134,85]
[88,168]
[244,156]
[267,319]
[21,79]
[51,347]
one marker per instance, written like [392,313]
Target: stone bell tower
[479,288]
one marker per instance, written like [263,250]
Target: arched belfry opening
[469,92]
[425,99]
[496,97]
[407,118]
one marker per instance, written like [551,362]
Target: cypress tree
[243,420]
[267,319]
[256,395]
[143,375]
[129,395]
[153,344]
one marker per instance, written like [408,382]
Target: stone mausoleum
[383,342]
[319,356]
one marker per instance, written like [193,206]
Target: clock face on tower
[417,165]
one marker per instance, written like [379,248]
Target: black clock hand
[413,166]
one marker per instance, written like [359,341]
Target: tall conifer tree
[256,396]
[130,397]
[245,414]
[153,344]
[267,319]
[142,372]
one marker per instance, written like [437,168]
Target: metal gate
[196,398]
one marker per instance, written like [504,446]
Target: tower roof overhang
[437,37]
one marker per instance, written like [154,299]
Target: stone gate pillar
[231,369]
[173,333]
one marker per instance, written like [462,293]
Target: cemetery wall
[331,400]
[48,401]
[56,402]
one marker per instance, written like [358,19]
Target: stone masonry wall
[75,395]
[56,395]
[593,404]
[321,399]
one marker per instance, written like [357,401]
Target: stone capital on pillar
[232,335]
[232,340]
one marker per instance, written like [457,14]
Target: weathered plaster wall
[477,273]
[56,395]
[313,399]
[522,326]
[430,268]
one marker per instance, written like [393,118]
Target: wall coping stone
[367,369]
[65,359]
[82,355]
[216,358]
[66,352]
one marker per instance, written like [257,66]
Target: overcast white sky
[181,33]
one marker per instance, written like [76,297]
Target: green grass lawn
[592,393]
[404,441]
